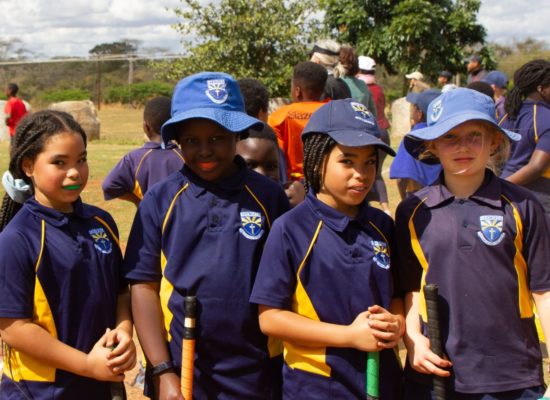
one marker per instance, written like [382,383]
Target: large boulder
[400,118]
[84,112]
[4,134]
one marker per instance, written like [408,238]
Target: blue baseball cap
[451,109]
[423,99]
[349,123]
[210,95]
[497,78]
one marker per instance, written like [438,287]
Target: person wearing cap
[416,82]
[200,232]
[326,53]
[499,82]
[485,242]
[527,108]
[325,282]
[411,174]
[475,69]
[444,81]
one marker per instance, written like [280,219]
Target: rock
[401,120]
[85,114]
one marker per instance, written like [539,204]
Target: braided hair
[526,80]
[31,135]
[316,147]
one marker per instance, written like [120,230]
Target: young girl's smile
[60,172]
[348,175]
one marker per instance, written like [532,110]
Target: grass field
[121,132]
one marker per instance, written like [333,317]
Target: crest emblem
[251,225]
[491,229]
[363,114]
[381,254]
[217,90]
[101,240]
[437,110]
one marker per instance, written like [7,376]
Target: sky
[72,27]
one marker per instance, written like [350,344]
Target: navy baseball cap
[349,123]
[210,95]
[451,109]
[423,99]
[497,78]
[445,74]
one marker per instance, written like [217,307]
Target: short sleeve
[276,279]
[543,131]
[17,276]
[536,242]
[142,257]
[120,180]
[409,270]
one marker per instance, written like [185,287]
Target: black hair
[482,87]
[31,134]
[157,112]
[265,133]
[13,88]
[526,80]
[311,77]
[255,96]
[316,147]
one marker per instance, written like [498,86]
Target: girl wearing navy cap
[325,284]
[64,309]
[485,243]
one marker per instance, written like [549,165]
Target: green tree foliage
[54,96]
[125,46]
[261,39]
[138,93]
[405,35]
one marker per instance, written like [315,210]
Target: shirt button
[461,201]
[213,203]
[465,224]
[215,219]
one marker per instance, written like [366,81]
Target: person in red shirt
[14,109]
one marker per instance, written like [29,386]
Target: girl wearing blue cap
[64,309]
[325,284]
[485,242]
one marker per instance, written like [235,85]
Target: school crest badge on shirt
[101,240]
[491,229]
[381,254]
[217,90]
[251,225]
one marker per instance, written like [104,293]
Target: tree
[405,35]
[262,39]
[125,46]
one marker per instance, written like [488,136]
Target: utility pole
[98,83]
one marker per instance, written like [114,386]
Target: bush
[138,93]
[55,96]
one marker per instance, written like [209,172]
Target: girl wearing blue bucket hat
[485,242]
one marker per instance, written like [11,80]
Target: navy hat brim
[233,121]
[353,138]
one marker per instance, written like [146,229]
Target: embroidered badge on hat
[217,90]
[101,240]
[251,225]
[437,110]
[491,229]
[381,255]
[363,114]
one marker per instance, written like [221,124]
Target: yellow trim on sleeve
[172,206]
[417,249]
[165,292]
[535,129]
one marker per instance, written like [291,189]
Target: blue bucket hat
[349,123]
[210,95]
[451,109]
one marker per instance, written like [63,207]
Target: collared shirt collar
[56,217]
[233,183]
[155,145]
[489,192]
[335,220]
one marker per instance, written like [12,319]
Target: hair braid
[31,134]
[316,146]
[526,80]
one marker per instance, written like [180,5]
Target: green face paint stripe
[72,187]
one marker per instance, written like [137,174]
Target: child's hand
[168,387]
[423,360]
[386,327]
[123,354]
[96,366]
[360,334]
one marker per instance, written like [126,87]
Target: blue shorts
[417,391]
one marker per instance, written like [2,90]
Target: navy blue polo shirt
[533,124]
[487,253]
[205,239]
[140,169]
[61,271]
[323,265]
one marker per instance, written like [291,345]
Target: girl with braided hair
[528,113]
[325,282]
[64,310]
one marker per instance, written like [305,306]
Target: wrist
[162,368]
